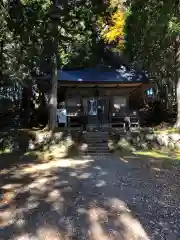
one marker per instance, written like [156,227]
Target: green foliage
[152,43]
[28,34]
[147,30]
[3,20]
[174,25]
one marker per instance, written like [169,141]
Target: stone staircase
[97,143]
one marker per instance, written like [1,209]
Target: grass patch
[153,154]
[166,130]
[160,158]
[159,154]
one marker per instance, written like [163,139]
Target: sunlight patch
[85,176]
[152,154]
[49,233]
[56,163]
[100,183]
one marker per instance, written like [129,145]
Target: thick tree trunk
[53,95]
[1,60]
[178,105]
[178,80]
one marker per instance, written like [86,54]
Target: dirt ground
[106,197]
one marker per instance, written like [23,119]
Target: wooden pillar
[81,105]
[66,105]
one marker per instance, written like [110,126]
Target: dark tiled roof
[100,75]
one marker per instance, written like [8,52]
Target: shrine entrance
[92,112]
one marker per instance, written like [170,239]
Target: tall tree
[150,44]
[54,62]
[41,38]
[175,26]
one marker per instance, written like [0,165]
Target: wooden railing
[124,122]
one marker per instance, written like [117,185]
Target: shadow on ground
[25,146]
[147,151]
[65,202]
[87,199]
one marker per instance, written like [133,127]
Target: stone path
[99,198]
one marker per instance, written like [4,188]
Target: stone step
[96,137]
[96,133]
[98,147]
[95,153]
[95,156]
[99,153]
[99,136]
[97,141]
[90,154]
[102,148]
[94,148]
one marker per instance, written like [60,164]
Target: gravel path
[105,198]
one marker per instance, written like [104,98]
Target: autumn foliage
[113,28]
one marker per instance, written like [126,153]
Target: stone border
[147,139]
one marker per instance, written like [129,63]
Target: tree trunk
[53,95]
[1,60]
[178,80]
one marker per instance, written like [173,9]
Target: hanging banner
[92,107]
[61,115]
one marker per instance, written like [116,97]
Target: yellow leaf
[113,31]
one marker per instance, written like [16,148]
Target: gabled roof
[102,75]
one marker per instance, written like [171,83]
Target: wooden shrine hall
[118,91]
